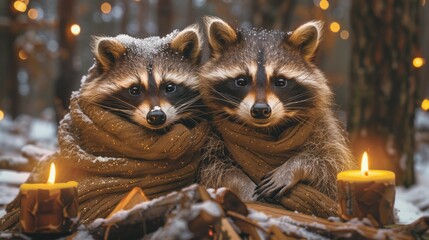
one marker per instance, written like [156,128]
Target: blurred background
[374,54]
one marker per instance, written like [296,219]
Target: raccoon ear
[188,43]
[220,35]
[306,38]
[107,51]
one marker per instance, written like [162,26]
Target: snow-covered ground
[410,204]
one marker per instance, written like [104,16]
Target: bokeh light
[344,34]
[425,104]
[335,27]
[1,115]
[33,13]
[106,7]
[75,29]
[418,62]
[22,55]
[20,6]
[324,4]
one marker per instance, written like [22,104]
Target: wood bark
[383,84]
[67,42]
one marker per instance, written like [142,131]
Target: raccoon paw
[275,184]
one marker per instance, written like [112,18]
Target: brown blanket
[108,157]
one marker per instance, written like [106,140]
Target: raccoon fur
[266,81]
[150,82]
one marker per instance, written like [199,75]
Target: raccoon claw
[273,185]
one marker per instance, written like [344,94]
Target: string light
[418,62]
[1,115]
[425,104]
[344,34]
[33,13]
[324,4]
[335,27]
[106,7]
[22,55]
[20,6]
[75,29]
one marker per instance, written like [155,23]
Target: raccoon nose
[260,111]
[156,117]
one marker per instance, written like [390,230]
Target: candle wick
[366,173]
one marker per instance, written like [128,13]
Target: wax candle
[367,194]
[49,207]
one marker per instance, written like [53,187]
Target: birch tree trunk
[384,84]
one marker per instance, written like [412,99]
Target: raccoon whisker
[225,100]
[112,108]
[305,78]
[302,120]
[300,101]
[230,98]
[188,103]
[122,101]
[305,94]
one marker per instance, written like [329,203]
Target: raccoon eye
[135,91]
[170,88]
[280,82]
[240,82]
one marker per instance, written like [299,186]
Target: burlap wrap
[258,154]
[108,156]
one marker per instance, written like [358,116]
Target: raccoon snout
[156,117]
[260,111]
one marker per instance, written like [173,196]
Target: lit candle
[49,207]
[367,194]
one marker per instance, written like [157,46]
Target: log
[134,197]
[34,153]
[328,228]
[18,164]
[230,218]
[226,231]
[146,218]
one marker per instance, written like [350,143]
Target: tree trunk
[165,17]
[124,20]
[272,14]
[12,68]
[67,73]
[384,84]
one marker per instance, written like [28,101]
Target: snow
[409,202]
[175,227]
[209,207]
[12,177]
[257,216]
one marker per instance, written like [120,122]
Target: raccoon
[264,82]
[150,82]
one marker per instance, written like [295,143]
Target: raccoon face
[151,82]
[263,78]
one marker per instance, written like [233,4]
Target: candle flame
[364,165]
[51,179]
